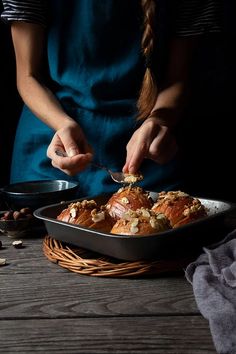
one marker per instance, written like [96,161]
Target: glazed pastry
[179,207]
[87,214]
[141,222]
[128,198]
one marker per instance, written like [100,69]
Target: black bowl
[35,194]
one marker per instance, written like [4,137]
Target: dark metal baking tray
[179,242]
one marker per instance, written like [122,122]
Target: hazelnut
[8,215]
[26,211]
[17,215]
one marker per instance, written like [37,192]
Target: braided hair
[148,92]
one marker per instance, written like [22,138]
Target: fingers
[55,145]
[163,147]
[150,141]
[138,146]
[74,156]
[72,165]
[136,152]
[69,143]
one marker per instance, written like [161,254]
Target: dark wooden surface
[45,308]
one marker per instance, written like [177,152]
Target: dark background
[10,102]
[207,132]
[206,135]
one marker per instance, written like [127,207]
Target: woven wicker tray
[85,262]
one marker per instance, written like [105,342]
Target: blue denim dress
[96,69]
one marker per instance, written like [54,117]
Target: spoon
[118,177]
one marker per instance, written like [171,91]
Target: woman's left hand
[150,141]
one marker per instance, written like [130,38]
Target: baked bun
[141,222]
[179,207]
[87,214]
[128,198]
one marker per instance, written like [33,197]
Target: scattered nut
[2,261]
[26,211]
[17,215]
[7,216]
[17,243]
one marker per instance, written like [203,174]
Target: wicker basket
[85,262]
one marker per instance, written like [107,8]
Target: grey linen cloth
[213,277]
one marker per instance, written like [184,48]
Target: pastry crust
[128,198]
[141,222]
[179,207]
[87,214]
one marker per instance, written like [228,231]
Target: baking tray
[179,242]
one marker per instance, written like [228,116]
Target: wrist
[167,117]
[65,121]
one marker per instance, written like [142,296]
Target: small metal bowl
[35,194]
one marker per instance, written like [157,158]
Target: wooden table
[45,308]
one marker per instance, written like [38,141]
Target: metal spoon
[118,177]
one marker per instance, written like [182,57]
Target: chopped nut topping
[197,206]
[125,200]
[153,222]
[145,212]
[129,215]
[159,221]
[172,195]
[132,178]
[134,229]
[85,204]
[96,217]
[73,212]
[160,216]
[134,222]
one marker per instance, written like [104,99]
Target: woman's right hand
[71,141]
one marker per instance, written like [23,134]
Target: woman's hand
[71,141]
[151,141]
[28,40]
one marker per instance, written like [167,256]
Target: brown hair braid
[148,92]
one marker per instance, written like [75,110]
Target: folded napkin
[213,277]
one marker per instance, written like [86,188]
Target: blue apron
[96,70]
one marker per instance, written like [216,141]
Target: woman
[83,67]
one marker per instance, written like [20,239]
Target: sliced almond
[3,261]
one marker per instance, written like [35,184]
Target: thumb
[70,146]
[72,150]
[69,143]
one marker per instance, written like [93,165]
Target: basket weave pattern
[85,262]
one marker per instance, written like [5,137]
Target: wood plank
[179,335]
[31,287]
[71,295]
[32,251]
